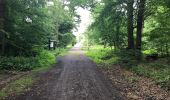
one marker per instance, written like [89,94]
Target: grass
[159,70]
[102,55]
[17,86]
[22,85]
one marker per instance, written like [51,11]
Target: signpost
[52,44]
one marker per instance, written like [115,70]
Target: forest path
[75,77]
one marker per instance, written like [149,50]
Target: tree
[130,21]
[2,19]
[140,23]
[34,23]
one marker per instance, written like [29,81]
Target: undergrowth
[102,55]
[17,86]
[37,64]
[158,70]
[20,63]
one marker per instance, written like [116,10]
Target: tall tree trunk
[2,15]
[117,35]
[140,22]
[130,11]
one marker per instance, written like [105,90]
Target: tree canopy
[132,24]
[29,24]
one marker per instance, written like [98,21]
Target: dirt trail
[75,77]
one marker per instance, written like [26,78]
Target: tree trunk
[2,15]
[167,49]
[140,23]
[130,11]
[117,36]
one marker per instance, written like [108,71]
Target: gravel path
[75,77]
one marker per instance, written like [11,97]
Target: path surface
[75,77]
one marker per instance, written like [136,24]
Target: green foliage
[17,63]
[109,25]
[34,23]
[160,38]
[96,54]
[128,57]
[61,51]
[151,51]
[43,59]
[158,70]
[102,55]
[65,27]
[39,63]
[157,28]
[65,39]
[82,3]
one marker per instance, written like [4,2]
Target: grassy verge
[158,70]
[17,86]
[102,55]
[46,59]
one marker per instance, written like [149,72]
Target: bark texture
[140,22]
[130,10]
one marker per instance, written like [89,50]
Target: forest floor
[76,77]
[134,87]
[7,77]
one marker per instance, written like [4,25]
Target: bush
[129,58]
[44,58]
[17,63]
[159,70]
[102,55]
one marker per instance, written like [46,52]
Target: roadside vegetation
[134,34]
[20,63]
[29,68]
[35,35]
[157,70]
